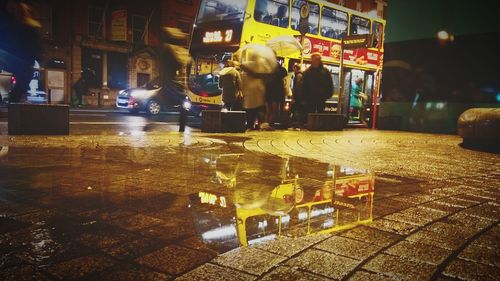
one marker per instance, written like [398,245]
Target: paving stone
[249,259]
[486,255]
[397,227]
[417,216]
[80,267]
[132,273]
[419,252]
[287,246]
[318,262]
[440,206]
[291,273]
[369,276]
[132,249]
[465,220]
[399,268]
[467,270]
[457,202]
[436,239]
[488,240]
[450,230]
[371,235]
[488,211]
[136,222]
[209,272]
[23,272]
[348,247]
[174,259]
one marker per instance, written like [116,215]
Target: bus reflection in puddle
[253,204]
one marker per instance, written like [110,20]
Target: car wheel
[153,107]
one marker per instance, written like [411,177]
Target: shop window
[274,12]
[334,23]
[359,25]
[92,67]
[96,22]
[117,70]
[139,28]
[313,15]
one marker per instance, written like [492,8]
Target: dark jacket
[275,86]
[317,85]
[297,93]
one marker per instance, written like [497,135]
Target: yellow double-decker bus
[224,26]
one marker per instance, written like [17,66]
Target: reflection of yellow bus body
[335,207]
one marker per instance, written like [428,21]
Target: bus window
[333,23]
[313,15]
[359,25]
[273,12]
[215,10]
[377,31]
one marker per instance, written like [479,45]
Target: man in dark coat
[317,85]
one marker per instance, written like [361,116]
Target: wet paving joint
[234,207]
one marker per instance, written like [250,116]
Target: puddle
[223,196]
[257,203]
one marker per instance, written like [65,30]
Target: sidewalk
[116,207]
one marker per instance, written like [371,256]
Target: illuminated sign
[218,36]
[209,198]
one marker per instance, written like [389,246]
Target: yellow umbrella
[285,45]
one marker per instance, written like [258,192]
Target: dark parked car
[153,97]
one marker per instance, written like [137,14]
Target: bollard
[49,96]
[99,99]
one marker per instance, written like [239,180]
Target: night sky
[419,19]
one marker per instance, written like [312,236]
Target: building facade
[112,45]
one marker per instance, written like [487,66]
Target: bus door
[369,87]
[358,115]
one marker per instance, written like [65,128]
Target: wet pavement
[142,205]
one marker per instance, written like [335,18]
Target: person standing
[275,94]
[297,97]
[230,83]
[356,100]
[81,88]
[317,85]
[253,89]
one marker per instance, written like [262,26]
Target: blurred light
[220,233]
[443,35]
[186,105]
[498,97]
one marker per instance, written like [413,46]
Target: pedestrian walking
[230,83]
[298,114]
[253,89]
[317,85]
[275,94]
[81,88]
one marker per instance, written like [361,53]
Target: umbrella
[257,59]
[284,45]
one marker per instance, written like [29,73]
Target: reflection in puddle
[261,201]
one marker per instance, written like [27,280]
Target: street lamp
[443,35]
